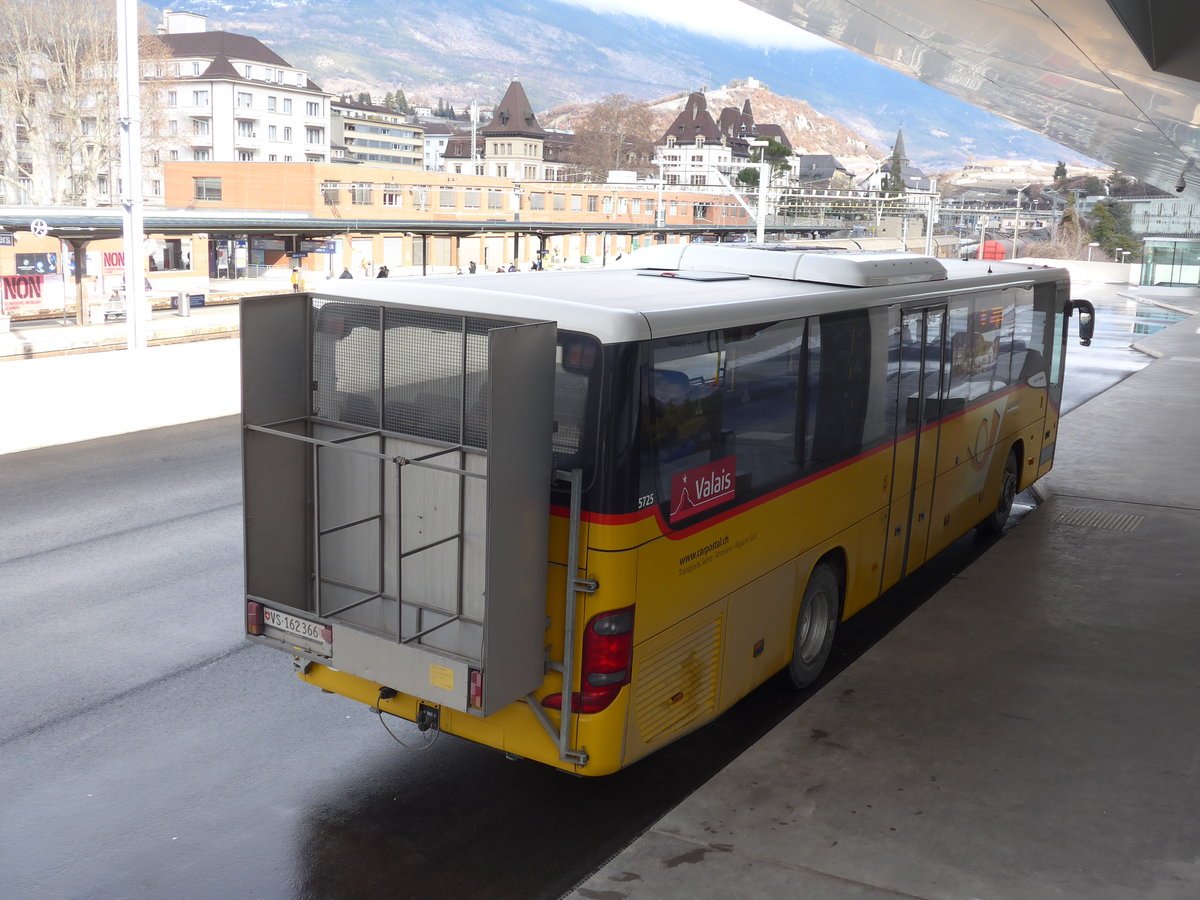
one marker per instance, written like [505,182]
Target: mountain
[808,130]
[459,50]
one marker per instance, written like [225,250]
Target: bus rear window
[576,364]
[433,382]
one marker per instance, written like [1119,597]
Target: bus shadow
[463,821]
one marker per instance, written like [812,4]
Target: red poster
[703,487]
[22,294]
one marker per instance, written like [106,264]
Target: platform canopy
[1115,80]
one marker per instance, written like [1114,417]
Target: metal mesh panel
[431,371]
[422,362]
[348,333]
[477,386]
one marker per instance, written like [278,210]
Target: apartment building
[366,133]
[230,98]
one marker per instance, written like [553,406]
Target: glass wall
[1171,262]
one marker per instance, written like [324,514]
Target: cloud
[728,19]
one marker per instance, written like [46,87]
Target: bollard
[185,304]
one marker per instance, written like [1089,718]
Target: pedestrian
[471,267]
[383,272]
[345,273]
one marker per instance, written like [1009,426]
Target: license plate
[311,635]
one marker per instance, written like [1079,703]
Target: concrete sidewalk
[57,386]
[1032,731]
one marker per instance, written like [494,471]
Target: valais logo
[697,489]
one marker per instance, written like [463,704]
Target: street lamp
[660,214]
[1090,246]
[1017,218]
[763,175]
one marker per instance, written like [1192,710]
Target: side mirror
[1087,320]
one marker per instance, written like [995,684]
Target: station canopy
[1115,80]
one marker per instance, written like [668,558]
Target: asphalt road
[147,750]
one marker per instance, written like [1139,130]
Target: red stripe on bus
[615,519]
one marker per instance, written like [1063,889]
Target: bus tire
[820,609]
[994,523]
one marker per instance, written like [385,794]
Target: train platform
[1031,731]
[58,337]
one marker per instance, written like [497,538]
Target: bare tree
[59,141]
[615,133]
[1070,238]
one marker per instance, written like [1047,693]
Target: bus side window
[1033,326]
[960,355]
[1023,343]
[841,419]
[764,369]
[683,421]
[991,342]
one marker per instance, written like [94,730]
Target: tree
[59,134]
[1070,239]
[893,181]
[777,154]
[1111,227]
[364,97]
[614,133]
[400,102]
[1060,171]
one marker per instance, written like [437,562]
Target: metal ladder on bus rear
[575,588]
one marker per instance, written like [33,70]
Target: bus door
[919,402]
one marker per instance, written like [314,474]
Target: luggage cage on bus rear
[397,465]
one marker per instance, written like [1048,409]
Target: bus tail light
[475,689]
[254,617]
[606,664]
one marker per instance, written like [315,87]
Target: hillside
[808,130]
[463,50]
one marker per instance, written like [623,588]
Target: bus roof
[672,290]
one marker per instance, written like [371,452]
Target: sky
[728,19]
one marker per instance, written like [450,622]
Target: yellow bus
[576,515]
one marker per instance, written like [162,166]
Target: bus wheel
[994,523]
[815,626]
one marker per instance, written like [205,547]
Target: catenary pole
[130,120]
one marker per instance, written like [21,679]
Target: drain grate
[1092,518]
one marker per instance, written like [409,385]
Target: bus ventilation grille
[678,684]
[1092,518]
